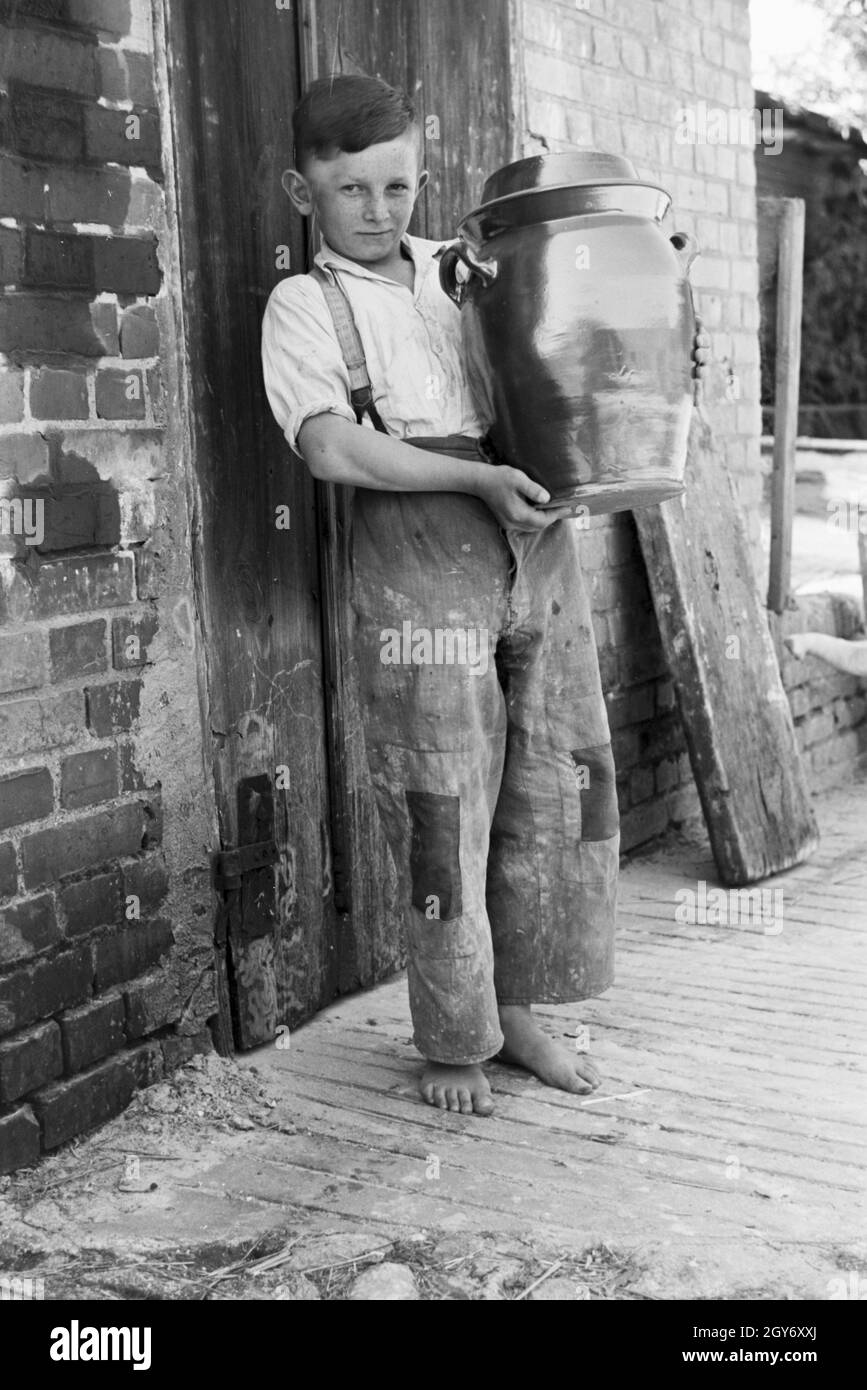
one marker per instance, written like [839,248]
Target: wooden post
[790,282]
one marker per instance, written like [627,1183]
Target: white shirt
[411,339]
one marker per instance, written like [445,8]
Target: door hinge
[232,864]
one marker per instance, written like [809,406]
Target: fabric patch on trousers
[594,768]
[434,856]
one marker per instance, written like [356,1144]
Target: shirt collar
[331,259]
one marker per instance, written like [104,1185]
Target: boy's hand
[700,356]
[510,494]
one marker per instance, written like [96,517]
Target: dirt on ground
[45,1213]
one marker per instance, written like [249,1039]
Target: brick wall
[105,814]
[612,75]
[829,707]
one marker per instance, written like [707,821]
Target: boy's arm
[338,452]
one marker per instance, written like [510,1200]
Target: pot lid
[575,167]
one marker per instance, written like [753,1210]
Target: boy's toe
[466,1101]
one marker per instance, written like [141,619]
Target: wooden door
[310,907]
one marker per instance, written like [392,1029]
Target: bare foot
[456,1088]
[527,1046]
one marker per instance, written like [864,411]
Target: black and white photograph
[433,669]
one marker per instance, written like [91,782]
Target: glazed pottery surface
[578,326]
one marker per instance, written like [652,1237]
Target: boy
[493,775]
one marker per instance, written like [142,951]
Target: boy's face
[364,201]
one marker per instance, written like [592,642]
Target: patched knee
[594,769]
[434,858]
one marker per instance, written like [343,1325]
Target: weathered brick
[58,394]
[75,518]
[44,988]
[88,195]
[608,667]
[92,902]
[661,739]
[156,393]
[152,1002]
[128,457]
[91,840]
[640,784]
[640,662]
[92,1032]
[817,728]
[666,776]
[70,586]
[685,803]
[120,395]
[59,259]
[666,696]
[88,778]
[47,125]
[29,1060]
[77,650]
[625,745]
[22,661]
[23,456]
[146,879]
[139,332]
[19,1140]
[44,59]
[113,708]
[147,1063]
[49,323]
[132,777]
[630,707]
[69,1108]
[8,870]
[11,256]
[799,701]
[126,76]
[131,636]
[123,137]
[643,823]
[26,928]
[110,16]
[51,11]
[127,265]
[621,542]
[26,796]
[35,725]
[11,396]
[22,186]
[129,952]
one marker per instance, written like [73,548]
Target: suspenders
[361,392]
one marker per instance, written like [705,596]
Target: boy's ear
[297,189]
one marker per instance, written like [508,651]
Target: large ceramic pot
[578,326]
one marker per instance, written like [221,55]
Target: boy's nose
[376,210]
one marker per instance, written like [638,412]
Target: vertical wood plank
[790,280]
[716,638]
[233,74]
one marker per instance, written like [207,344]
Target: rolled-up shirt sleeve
[302,364]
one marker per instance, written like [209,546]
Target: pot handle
[686,247]
[448,257]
